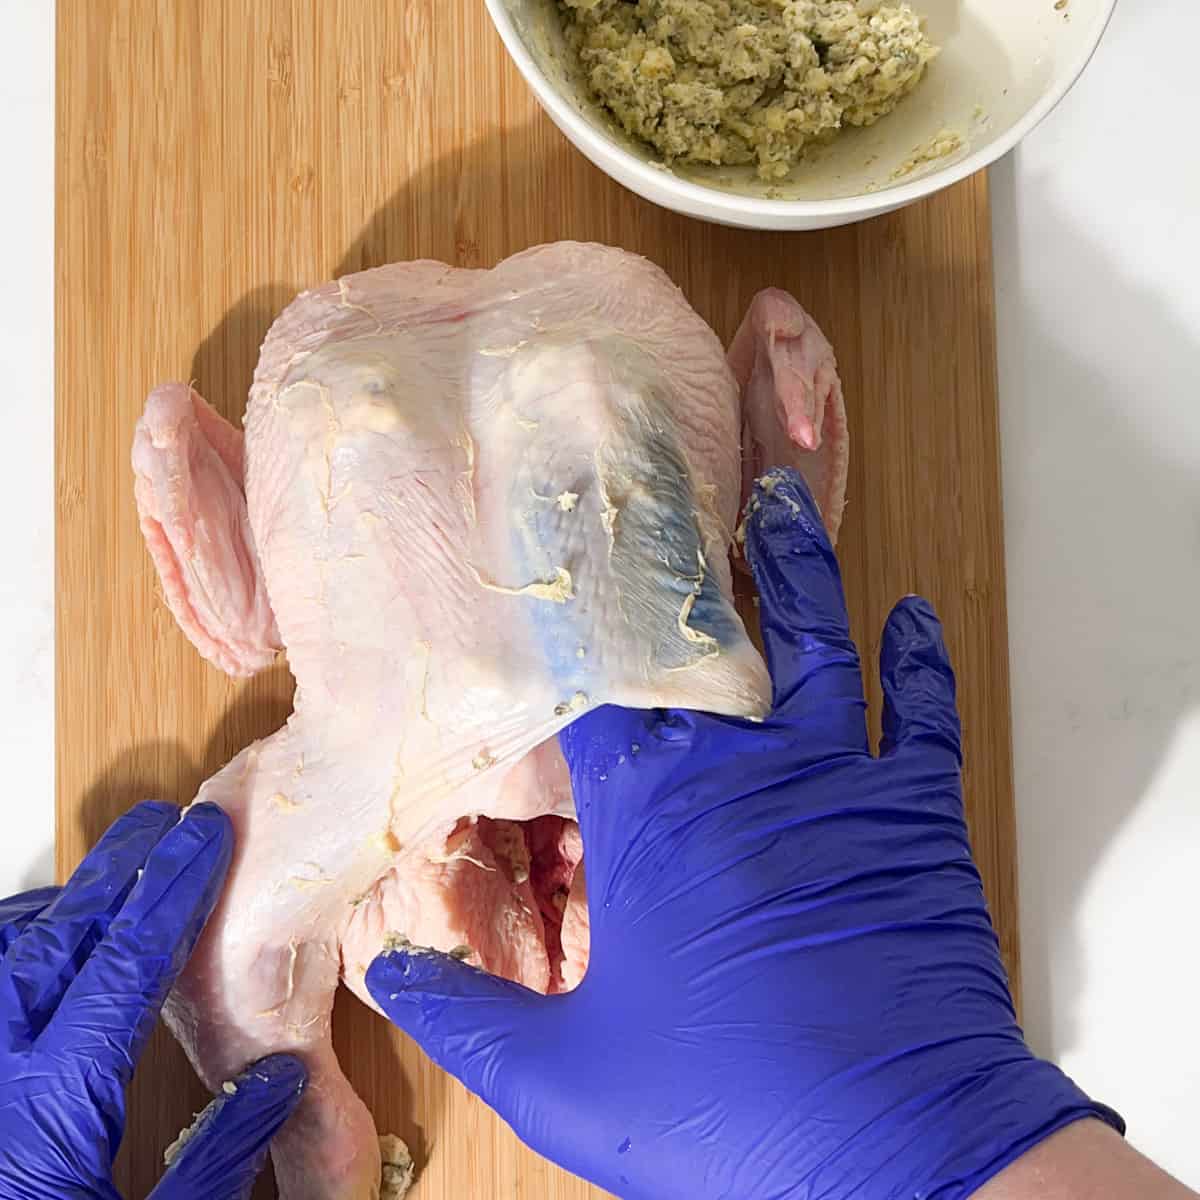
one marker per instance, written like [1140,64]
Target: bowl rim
[607,152]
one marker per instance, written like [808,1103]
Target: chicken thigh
[470,505]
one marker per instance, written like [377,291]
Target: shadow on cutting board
[223,365]
[488,200]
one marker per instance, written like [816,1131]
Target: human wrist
[1085,1160]
[963,1125]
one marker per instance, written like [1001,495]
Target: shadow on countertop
[1106,586]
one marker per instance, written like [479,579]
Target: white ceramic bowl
[1004,65]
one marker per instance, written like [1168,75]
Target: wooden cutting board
[216,157]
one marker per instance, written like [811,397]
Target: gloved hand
[794,988]
[84,972]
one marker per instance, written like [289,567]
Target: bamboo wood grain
[216,157]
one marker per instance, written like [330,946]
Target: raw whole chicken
[470,505]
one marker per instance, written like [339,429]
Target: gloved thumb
[226,1147]
[476,1026]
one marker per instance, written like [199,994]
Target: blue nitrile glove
[83,973]
[794,988]
[17,911]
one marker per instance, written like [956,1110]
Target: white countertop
[1097,231]
[1097,234]
[27,482]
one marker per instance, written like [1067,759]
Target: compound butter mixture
[723,82]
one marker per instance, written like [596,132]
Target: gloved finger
[52,949]
[472,1024]
[110,1009]
[19,911]
[919,705]
[806,629]
[228,1143]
